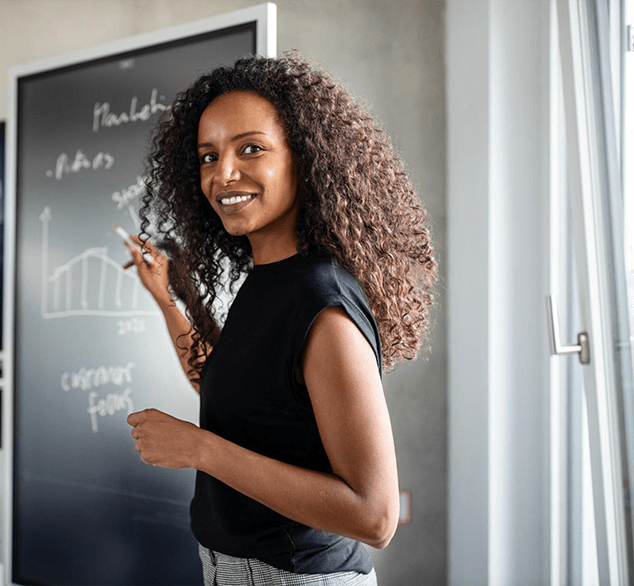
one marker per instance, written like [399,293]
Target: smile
[234,199]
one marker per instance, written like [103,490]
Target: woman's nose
[226,170]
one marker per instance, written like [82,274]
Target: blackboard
[88,344]
[2,160]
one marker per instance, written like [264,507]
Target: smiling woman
[248,174]
[271,169]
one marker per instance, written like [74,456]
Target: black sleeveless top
[250,396]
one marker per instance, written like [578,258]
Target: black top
[250,396]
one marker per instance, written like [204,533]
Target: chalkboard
[2,159]
[88,344]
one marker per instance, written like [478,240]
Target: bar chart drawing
[89,284]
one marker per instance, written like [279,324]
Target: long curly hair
[356,202]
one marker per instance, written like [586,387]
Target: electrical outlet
[405,515]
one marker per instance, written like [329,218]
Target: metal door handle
[556,347]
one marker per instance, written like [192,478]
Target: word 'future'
[103,117]
[65,164]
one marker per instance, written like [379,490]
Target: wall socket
[405,515]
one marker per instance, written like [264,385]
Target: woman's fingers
[145,243]
[136,254]
[148,251]
[149,254]
[152,268]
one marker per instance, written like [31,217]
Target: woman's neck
[272,250]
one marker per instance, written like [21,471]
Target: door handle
[556,347]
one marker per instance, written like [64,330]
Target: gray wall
[390,53]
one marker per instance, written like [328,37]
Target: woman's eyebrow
[243,134]
[236,137]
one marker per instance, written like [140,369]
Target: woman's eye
[207,158]
[252,148]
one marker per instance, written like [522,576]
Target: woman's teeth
[229,201]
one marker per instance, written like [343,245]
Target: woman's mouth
[234,199]
[231,203]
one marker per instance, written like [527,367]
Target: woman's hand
[164,440]
[155,278]
[153,275]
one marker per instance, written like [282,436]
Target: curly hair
[356,202]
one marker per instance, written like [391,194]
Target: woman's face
[247,170]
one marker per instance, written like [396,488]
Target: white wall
[389,52]
[498,181]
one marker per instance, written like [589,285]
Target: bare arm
[154,277]
[360,499]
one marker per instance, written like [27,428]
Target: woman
[269,169]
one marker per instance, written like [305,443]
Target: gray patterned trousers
[224,570]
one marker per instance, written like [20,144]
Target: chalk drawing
[89,284]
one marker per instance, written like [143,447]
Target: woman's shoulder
[320,268]
[322,277]
[327,283]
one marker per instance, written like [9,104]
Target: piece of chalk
[122,232]
[147,257]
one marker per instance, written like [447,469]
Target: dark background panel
[90,345]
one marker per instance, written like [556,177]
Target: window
[594,432]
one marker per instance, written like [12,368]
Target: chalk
[147,257]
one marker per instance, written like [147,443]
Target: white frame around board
[265,17]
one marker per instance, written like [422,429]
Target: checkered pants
[224,570]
